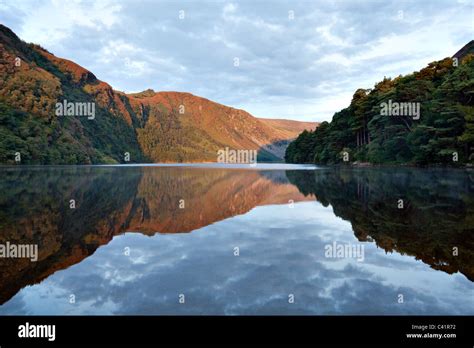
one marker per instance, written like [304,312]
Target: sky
[298,60]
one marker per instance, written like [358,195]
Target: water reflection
[435,224]
[281,247]
[35,209]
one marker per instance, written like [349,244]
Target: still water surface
[141,236]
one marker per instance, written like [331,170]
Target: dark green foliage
[445,126]
[43,141]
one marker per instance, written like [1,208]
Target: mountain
[422,118]
[181,126]
[290,126]
[463,52]
[140,127]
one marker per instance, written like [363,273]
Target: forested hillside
[441,133]
[142,127]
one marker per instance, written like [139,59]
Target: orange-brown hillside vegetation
[150,126]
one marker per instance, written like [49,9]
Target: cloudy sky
[280,59]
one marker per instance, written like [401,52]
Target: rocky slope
[140,127]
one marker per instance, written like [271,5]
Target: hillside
[290,126]
[140,127]
[423,118]
[463,52]
[184,127]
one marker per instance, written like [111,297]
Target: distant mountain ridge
[148,126]
[463,52]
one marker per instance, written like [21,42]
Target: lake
[213,239]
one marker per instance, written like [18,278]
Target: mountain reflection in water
[272,216]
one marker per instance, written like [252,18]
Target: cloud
[306,57]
